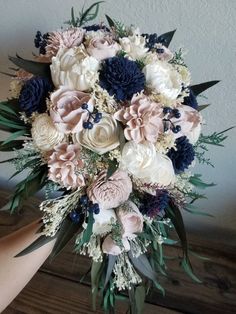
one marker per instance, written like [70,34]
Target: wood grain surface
[57,287]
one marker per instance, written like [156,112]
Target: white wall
[206,28]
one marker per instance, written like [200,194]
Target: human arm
[16,272]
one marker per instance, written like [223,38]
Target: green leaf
[66,232]
[197,181]
[188,269]
[7,74]
[111,262]
[166,38]
[112,167]
[89,229]
[202,107]
[110,22]
[34,67]
[139,295]
[11,146]
[13,136]
[42,240]
[159,287]
[199,88]
[73,21]
[6,108]
[87,15]
[188,208]
[96,272]
[141,263]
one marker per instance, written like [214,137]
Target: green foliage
[197,182]
[200,88]
[178,58]
[34,67]
[112,167]
[118,27]
[166,38]
[85,16]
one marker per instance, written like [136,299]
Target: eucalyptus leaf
[202,107]
[199,88]
[6,108]
[110,22]
[89,229]
[96,271]
[142,264]
[87,15]
[112,167]
[7,74]
[13,136]
[34,67]
[166,38]
[17,144]
[42,240]
[197,181]
[140,299]
[188,269]
[111,262]
[66,232]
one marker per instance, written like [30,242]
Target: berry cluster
[84,205]
[168,124]
[40,42]
[96,118]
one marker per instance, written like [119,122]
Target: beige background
[205,28]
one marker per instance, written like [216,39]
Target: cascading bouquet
[108,118]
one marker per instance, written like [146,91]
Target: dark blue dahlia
[40,41]
[33,95]
[183,155]
[152,205]
[121,77]
[191,100]
[96,27]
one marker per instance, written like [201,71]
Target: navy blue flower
[151,40]
[121,77]
[183,155]
[152,205]
[95,28]
[33,95]
[191,100]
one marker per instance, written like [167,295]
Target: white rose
[144,163]
[103,221]
[103,137]
[163,78]
[134,46]
[44,133]
[74,68]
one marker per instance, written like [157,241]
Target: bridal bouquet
[105,117]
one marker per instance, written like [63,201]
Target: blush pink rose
[130,218]
[110,247]
[66,109]
[143,119]
[112,192]
[102,47]
[65,165]
[69,38]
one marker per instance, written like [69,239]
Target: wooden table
[57,288]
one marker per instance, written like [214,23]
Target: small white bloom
[103,221]
[144,163]
[134,46]
[44,133]
[74,68]
[103,137]
[163,79]
[184,73]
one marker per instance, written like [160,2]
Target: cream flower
[103,137]
[162,78]
[103,221]
[112,192]
[44,133]
[143,119]
[134,46]
[65,166]
[130,218]
[143,162]
[66,111]
[190,122]
[69,38]
[184,73]
[102,46]
[74,68]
